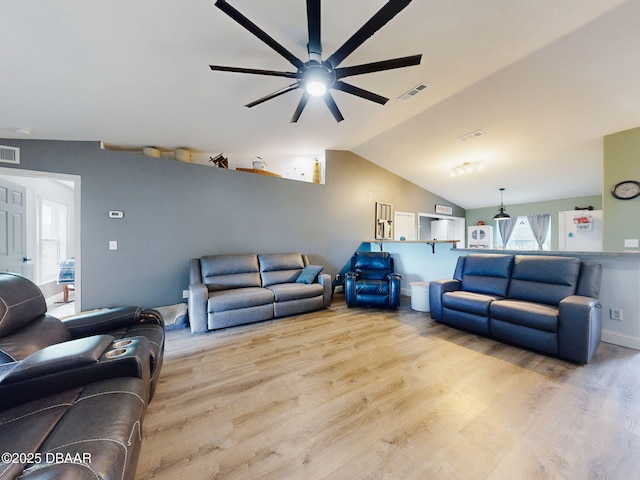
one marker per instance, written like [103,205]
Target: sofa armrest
[197,307]
[73,364]
[350,287]
[579,328]
[57,358]
[436,289]
[101,321]
[324,279]
[395,281]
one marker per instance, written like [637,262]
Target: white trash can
[420,296]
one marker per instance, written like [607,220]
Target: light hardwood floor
[386,395]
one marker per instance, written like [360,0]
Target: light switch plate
[113,244]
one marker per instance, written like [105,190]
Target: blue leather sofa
[548,304]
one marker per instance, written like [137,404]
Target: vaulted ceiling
[544,81]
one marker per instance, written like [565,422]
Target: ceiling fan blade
[314,46]
[258,32]
[273,95]
[273,73]
[359,92]
[378,66]
[300,107]
[331,103]
[375,23]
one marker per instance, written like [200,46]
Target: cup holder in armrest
[118,352]
[122,343]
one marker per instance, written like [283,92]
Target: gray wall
[176,211]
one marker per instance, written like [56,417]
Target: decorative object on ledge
[316,171]
[219,161]
[152,152]
[258,171]
[182,155]
[501,215]
[466,167]
[258,163]
[384,221]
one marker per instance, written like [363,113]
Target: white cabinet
[480,236]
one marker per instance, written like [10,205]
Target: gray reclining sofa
[229,290]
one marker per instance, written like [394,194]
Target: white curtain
[506,227]
[539,227]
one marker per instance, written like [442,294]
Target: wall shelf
[427,242]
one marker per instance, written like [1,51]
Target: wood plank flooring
[385,395]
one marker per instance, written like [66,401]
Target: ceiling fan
[316,76]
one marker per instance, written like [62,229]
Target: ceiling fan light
[316,88]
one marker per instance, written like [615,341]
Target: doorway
[44,230]
[441,227]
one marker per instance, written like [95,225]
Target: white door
[580,230]
[13,229]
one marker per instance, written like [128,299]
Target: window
[52,239]
[522,237]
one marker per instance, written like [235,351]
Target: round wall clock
[626,190]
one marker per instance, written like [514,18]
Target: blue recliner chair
[372,282]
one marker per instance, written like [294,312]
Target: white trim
[621,340]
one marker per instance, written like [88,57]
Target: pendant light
[501,215]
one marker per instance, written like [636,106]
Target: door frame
[76,179]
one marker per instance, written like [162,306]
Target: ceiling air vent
[9,154]
[471,136]
[413,92]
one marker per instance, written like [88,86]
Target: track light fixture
[466,167]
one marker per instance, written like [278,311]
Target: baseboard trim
[621,340]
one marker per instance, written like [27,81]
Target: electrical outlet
[631,243]
[113,245]
[185,293]
[615,314]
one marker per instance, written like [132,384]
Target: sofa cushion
[309,274]
[221,272]
[487,274]
[543,279]
[527,314]
[372,265]
[372,287]
[294,291]
[477,303]
[280,267]
[235,298]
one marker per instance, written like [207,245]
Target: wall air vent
[471,136]
[413,92]
[9,154]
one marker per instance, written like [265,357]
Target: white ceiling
[544,80]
